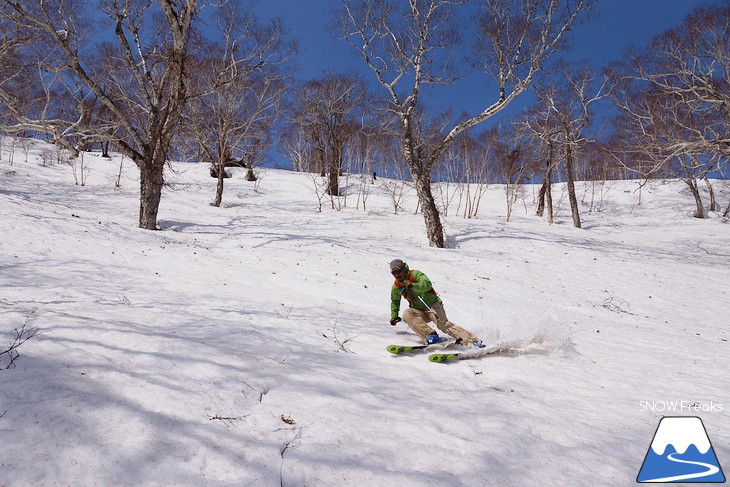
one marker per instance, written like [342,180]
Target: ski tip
[442,357]
[394,348]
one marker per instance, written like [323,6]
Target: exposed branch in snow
[288,445]
[227,420]
[22,335]
[342,344]
[615,304]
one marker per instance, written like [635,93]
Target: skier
[424,306]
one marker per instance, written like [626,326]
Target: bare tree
[560,122]
[507,144]
[13,70]
[139,73]
[237,92]
[449,174]
[396,183]
[674,99]
[362,151]
[478,172]
[295,147]
[327,113]
[598,168]
[573,115]
[691,65]
[541,126]
[411,45]
[30,104]
[654,130]
[466,172]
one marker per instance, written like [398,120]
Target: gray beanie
[397,265]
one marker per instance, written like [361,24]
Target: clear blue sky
[616,25]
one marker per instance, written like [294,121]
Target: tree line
[210,81]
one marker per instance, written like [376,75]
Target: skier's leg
[418,321]
[450,328]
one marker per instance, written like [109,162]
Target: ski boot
[433,338]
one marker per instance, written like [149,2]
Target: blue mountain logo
[681,452]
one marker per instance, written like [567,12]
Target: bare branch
[22,335]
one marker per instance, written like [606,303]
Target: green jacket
[421,287]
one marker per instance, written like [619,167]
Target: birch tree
[690,65]
[573,115]
[327,112]
[507,144]
[410,45]
[237,92]
[542,129]
[674,99]
[139,73]
[657,136]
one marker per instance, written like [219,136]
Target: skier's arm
[394,302]
[421,283]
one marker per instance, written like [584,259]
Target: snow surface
[245,345]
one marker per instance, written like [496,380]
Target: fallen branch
[228,421]
[288,445]
[617,305]
[22,335]
[342,344]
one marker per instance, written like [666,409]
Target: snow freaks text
[680,407]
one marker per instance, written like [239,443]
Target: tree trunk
[541,200]
[219,186]
[151,182]
[549,200]
[546,195]
[571,185]
[421,174]
[335,170]
[333,181]
[545,198]
[549,188]
[713,202]
[431,216]
[695,190]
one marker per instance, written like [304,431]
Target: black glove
[395,320]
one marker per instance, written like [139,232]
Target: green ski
[396,349]
[442,357]
[472,352]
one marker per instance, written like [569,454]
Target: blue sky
[616,25]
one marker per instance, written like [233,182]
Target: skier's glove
[395,320]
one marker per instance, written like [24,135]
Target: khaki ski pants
[418,321]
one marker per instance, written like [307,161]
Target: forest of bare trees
[127,72]
[208,81]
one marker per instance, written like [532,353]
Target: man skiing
[424,306]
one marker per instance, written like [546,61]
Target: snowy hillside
[246,345]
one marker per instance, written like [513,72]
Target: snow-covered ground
[245,345]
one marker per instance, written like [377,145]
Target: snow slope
[245,345]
